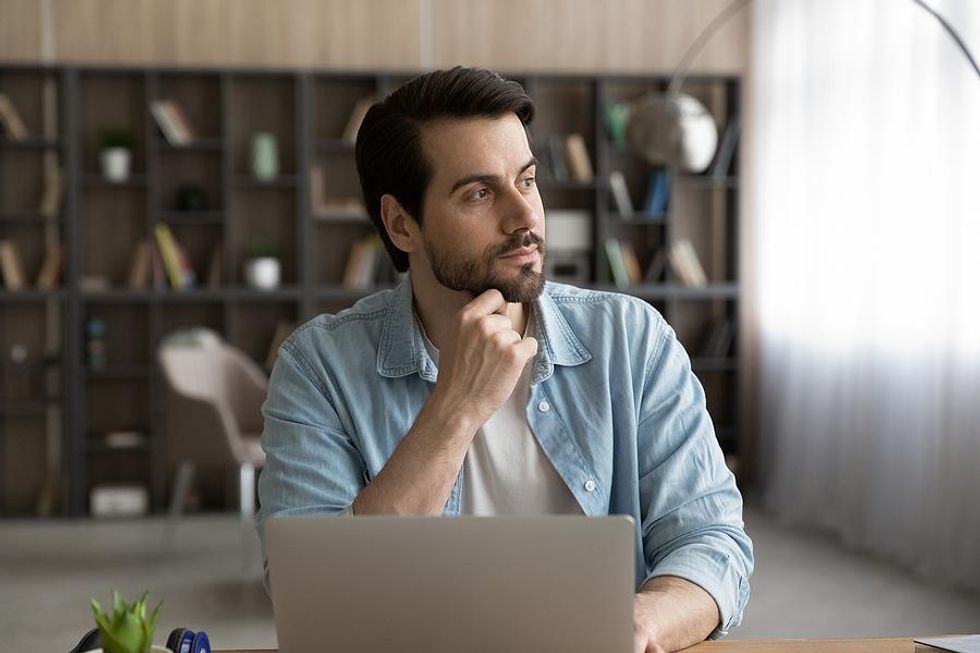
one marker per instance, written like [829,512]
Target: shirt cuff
[713,574]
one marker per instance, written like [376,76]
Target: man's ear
[402,228]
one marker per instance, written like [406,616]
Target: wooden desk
[775,646]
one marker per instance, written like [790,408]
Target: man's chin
[523,289]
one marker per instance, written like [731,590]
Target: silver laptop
[434,585]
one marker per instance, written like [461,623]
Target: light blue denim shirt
[614,405]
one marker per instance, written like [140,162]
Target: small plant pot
[116,162]
[263,273]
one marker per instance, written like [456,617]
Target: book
[685,263]
[362,263]
[11,266]
[617,266]
[13,124]
[357,114]
[577,158]
[721,167]
[556,158]
[658,195]
[631,261]
[655,269]
[172,120]
[318,189]
[187,274]
[140,268]
[50,272]
[53,188]
[169,255]
[621,194]
[215,264]
[717,343]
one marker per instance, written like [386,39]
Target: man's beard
[477,277]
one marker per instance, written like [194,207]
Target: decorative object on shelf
[96,347]
[128,629]
[263,270]
[13,125]
[191,197]
[264,156]
[116,155]
[617,116]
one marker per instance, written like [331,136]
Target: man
[476,387]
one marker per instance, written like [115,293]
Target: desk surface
[905,645]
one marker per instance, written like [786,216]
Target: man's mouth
[522,255]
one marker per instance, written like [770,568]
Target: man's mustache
[519,241]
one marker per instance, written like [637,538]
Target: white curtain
[867,187]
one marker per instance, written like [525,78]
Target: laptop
[434,585]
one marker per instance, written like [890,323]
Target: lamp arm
[674,87]
[952,33]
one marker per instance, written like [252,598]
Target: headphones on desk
[181,640]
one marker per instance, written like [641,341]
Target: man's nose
[521,213]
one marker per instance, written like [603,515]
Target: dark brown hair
[389,153]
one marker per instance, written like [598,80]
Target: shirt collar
[402,351]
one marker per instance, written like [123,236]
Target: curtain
[866,138]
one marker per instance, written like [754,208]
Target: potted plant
[116,153]
[263,270]
[128,629]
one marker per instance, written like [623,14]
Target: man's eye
[527,182]
[480,194]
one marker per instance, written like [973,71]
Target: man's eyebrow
[487,178]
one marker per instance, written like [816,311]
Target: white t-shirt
[505,471]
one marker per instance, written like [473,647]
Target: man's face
[483,224]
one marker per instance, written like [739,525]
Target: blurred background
[793,184]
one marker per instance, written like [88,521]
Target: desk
[905,645]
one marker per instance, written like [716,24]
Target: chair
[213,419]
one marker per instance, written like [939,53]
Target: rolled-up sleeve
[312,466]
[692,524]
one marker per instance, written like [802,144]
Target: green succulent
[128,630]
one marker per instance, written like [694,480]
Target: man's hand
[479,366]
[671,613]
[482,359]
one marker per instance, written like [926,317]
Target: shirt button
[544,406]
[590,485]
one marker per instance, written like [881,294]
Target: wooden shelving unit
[51,451]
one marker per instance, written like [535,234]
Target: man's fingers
[528,347]
[486,303]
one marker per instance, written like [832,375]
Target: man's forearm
[420,474]
[673,613]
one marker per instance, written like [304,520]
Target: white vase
[116,163]
[263,273]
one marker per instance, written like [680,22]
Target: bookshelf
[63,394]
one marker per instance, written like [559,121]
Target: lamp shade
[673,129]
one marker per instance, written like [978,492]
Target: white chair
[213,420]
